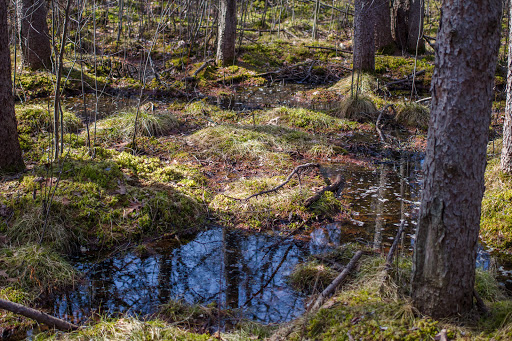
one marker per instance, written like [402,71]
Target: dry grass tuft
[357,109]
[413,115]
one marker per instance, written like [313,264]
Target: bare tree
[35,39]
[10,151]
[227,32]
[449,220]
[364,35]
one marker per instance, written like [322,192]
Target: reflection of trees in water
[217,265]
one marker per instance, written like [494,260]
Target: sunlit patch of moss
[34,267]
[35,118]
[34,83]
[306,120]
[400,67]
[496,219]
[413,114]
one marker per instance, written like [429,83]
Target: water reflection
[235,270]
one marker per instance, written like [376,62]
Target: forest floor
[194,163]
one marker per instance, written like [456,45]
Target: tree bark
[227,32]
[506,152]
[415,23]
[407,24]
[449,219]
[10,151]
[383,38]
[364,36]
[35,39]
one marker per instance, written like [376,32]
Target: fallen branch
[336,186]
[377,123]
[37,315]
[406,79]
[389,258]
[202,67]
[329,48]
[278,187]
[424,100]
[337,281]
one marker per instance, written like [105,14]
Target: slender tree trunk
[227,32]
[10,151]
[364,36]
[383,38]
[506,152]
[449,220]
[35,39]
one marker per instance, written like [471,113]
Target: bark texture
[449,219]
[506,152]
[10,152]
[35,39]
[407,24]
[364,35]
[383,38]
[227,32]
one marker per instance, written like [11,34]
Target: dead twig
[202,67]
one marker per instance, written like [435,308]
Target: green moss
[496,219]
[312,277]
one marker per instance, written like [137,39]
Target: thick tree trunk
[35,39]
[506,152]
[383,38]
[227,32]
[400,28]
[364,35]
[407,24]
[10,152]
[415,23]
[449,219]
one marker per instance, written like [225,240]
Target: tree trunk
[449,219]
[35,39]
[415,23]
[383,38]
[506,152]
[227,32]
[364,37]
[400,29]
[10,151]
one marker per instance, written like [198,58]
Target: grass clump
[496,219]
[357,109]
[210,113]
[127,328]
[349,86]
[36,268]
[413,114]
[121,126]
[35,118]
[312,277]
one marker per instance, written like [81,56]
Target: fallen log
[37,315]
[337,281]
[202,67]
